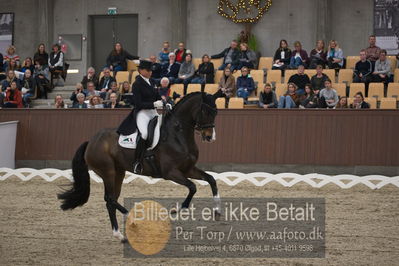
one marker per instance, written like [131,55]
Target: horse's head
[205,118]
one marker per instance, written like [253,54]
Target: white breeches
[143,118]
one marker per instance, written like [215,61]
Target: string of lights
[243,5]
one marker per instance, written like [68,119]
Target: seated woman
[328,96]
[41,54]
[186,72]
[11,54]
[163,56]
[78,89]
[343,103]
[359,103]
[116,60]
[42,78]
[309,99]
[28,64]
[298,56]
[335,56]
[290,99]
[12,66]
[56,59]
[113,89]
[13,97]
[95,102]
[113,102]
[227,84]
[10,78]
[80,104]
[245,84]
[171,69]
[205,73]
[318,56]
[267,98]
[126,95]
[282,57]
[90,76]
[247,57]
[59,102]
[28,87]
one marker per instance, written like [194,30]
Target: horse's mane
[186,98]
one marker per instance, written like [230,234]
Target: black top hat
[144,64]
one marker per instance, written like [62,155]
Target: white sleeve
[60,62]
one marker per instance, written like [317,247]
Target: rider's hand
[158,104]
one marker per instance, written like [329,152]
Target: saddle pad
[129,142]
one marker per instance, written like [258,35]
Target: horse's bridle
[198,125]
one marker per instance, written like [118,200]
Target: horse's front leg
[178,177]
[198,174]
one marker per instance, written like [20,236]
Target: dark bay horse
[176,155]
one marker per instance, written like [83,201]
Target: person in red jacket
[13,97]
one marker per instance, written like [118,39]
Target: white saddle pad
[129,142]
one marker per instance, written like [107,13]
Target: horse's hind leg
[201,175]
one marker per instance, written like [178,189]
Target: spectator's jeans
[242,93]
[232,67]
[286,102]
[172,80]
[295,62]
[198,80]
[245,64]
[26,97]
[10,105]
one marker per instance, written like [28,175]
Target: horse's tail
[79,193]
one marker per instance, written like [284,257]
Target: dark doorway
[106,31]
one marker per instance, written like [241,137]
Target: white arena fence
[229,178]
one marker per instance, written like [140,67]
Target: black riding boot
[139,155]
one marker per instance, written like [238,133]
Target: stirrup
[137,168]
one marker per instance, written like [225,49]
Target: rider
[146,100]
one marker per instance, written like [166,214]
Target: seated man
[106,80]
[300,80]
[171,69]
[359,103]
[318,80]
[156,69]
[230,56]
[373,51]
[245,84]
[328,96]
[363,70]
[113,89]
[382,69]
[267,98]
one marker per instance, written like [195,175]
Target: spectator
[318,80]
[116,60]
[79,89]
[164,88]
[59,102]
[267,97]
[126,88]
[300,80]
[156,69]
[106,80]
[164,55]
[343,103]
[28,87]
[227,84]
[309,99]
[90,76]
[186,72]
[113,89]
[41,75]
[245,84]
[95,102]
[56,59]
[80,101]
[373,51]
[126,96]
[247,57]
[298,56]
[290,99]
[205,73]
[11,54]
[41,54]
[282,57]
[318,55]
[382,69]
[328,96]
[363,70]
[171,70]
[28,64]
[13,97]
[359,103]
[113,102]
[10,78]
[335,56]
[12,66]
[230,56]
[181,52]
[91,91]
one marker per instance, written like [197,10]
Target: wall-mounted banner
[242,228]
[386,24]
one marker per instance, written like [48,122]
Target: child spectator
[282,57]
[299,57]
[205,73]
[80,104]
[41,54]
[116,60]
[267,97]
[343,103]
[164,55]
[309,99]
[90,76]
[328,96]
[230,56]
[13,97]
[335,56]
[290,99]
[318,80]
[359,103]
[318,55]
[300,80]
[227,84]
[245,84]
[59,102]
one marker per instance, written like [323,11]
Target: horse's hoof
[218,216]
[124,240]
